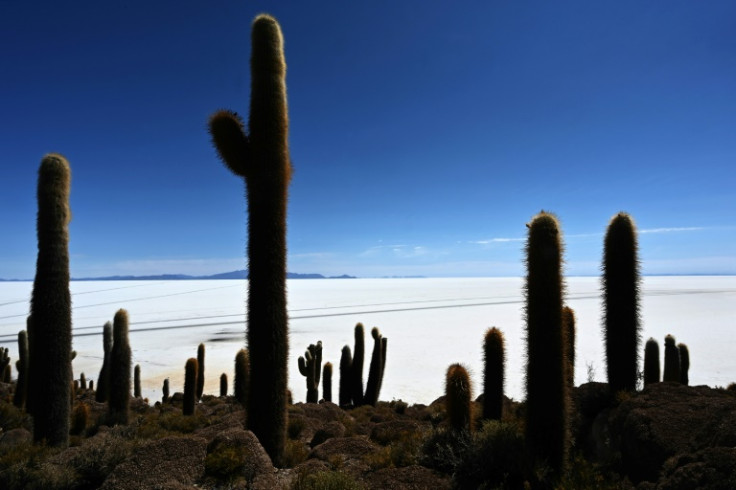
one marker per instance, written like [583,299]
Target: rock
[667,419]
[171,463]
[328,431]
[407,478]
[711,468]
[13,438]
[385,432]
[347,447]
[256,466]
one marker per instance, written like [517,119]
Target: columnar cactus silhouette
[165,391]
[357,366]
[19,397]
[200,371]
[137,381]
[568,321]
[82,381]
[5,363]
[262,158]
[103,381]
[51,341]
[327,382]
[375,372]
[684,364]
[223,384]
[120,364]
[651,362]
[346,377]
[622,329]
[310,366]
[494,358]
[546,383]
[458,395]
[242,377]
[671,360]
[190,386]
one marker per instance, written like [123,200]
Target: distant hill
[241,274]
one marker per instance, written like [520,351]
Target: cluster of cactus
[310,366]
[120,361]
[622,329]
[676,361]
[458,396]
[50,337]
[546,381]
[262,158]
[351,370]
[494,357]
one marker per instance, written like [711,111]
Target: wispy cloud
[496,240]
[672,230]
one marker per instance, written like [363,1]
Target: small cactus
[190,386]
[346,377]
[458,396]
[310,366]
[568,321]
[103,381]
[5,366]
[223,384]
[671,360]
[91,385]
[684,363]
[651,362]
[19,397]
[327,382]
[242,376]
[200,371]
[137,381]
[375,372]
[494,354]
[165,390]
[80,416]
[119,398]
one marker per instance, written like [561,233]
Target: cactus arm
[303,366]
[230,140]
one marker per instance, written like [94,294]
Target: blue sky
[424,135]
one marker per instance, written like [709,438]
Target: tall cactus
[494,356]
[19,397]
[568,321]
[327,382]
[200,371]
[223,384]
[458,396]
[375,372]
[50,363]
[622,329]
[137,381]
[684,363]
[651,362]
[165,391]
[190,386]
[546,384]
[120,361]
[671,360]
[357,365]
[103,382]
[346,377]
[310,366]
[262,158]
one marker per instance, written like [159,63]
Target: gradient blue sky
[424,135]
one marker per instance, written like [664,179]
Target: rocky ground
[668,436]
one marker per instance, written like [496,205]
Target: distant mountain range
[241,274]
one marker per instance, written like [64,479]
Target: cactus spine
[651,362]
[51,341]
[357,365]
[137,381]
[200,371]
[327,382]
[242,377]
[262,158]
[546,383]
[223,384]
[120,361]
[190,386]
[375,372]
[671,360]
[494,355]
[310,366]
[19,397]
[568,322]
[458,397]
[684,363]
[103,382]
[622,330]
[346,377]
